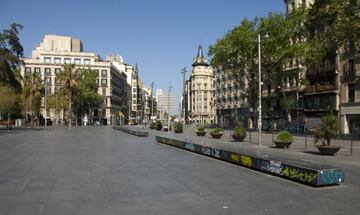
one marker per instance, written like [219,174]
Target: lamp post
[169,105]
[152,101]
[45,103]
[260,111]
[183,71]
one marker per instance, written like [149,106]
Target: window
[57,89]
[97,72]
[37,70]
[87,61]
[351,92]
[77,61]
[48,90]
[103,73]
[103,91]
[57,60]
[57,81]
[47,59]
[134,90]
[97,82]
[103,82]
[57,71]
[351,66]
[67,60]
[47,72]
[104,101]
[27,69]
[48,80]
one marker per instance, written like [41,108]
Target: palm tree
[69,79]
[33,86]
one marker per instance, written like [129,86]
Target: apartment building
[135,106]
[201,91]
[54,52]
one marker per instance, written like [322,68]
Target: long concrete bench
[296,170]
[132,131]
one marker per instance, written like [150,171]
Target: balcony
[320,89]
[349,77]
[322,69]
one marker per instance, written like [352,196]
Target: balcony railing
[318,88]
[349,77]
[325,67]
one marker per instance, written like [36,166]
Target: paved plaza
[98,170]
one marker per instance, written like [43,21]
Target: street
[98,170]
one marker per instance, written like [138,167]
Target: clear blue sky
[160,35]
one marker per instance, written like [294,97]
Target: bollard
[272,137]
[351,147]
[305,141]
[250,137]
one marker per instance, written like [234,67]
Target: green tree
[86,95]
[9,100]
[69,79]
[10,52]
[32,90]
[331,24]
[235,54]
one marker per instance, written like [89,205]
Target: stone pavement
[98,170]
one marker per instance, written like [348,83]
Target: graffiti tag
[246,160]
[331,177]
[272,166]
[235,157]
[190,146]
[299,174]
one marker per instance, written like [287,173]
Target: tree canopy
[10,52]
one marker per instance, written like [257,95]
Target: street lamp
[183,71]
[152,101]
[260,83]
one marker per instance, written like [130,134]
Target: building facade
[54,52]
[230,107]
[202,108]
[165,103]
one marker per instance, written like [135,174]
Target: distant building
[54,52]
[165,103]
[200,91]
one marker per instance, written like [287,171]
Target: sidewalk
[301,142]
[349,164]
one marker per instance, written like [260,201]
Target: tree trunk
[70,112]
[328,141]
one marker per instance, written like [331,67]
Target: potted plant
[178,128]
[200,131]
[239,132]
[158,125]
[283,139]
[328,129]
[152,125]
[216,133]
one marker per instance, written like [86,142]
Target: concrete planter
[201,133]
[238,138]
[216,135]
[328,150]
[282,144]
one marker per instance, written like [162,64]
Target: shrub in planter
[328,129]
[178,128]
[158,125]
[283,139]
[239,132]
[217,133]
[200,131]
